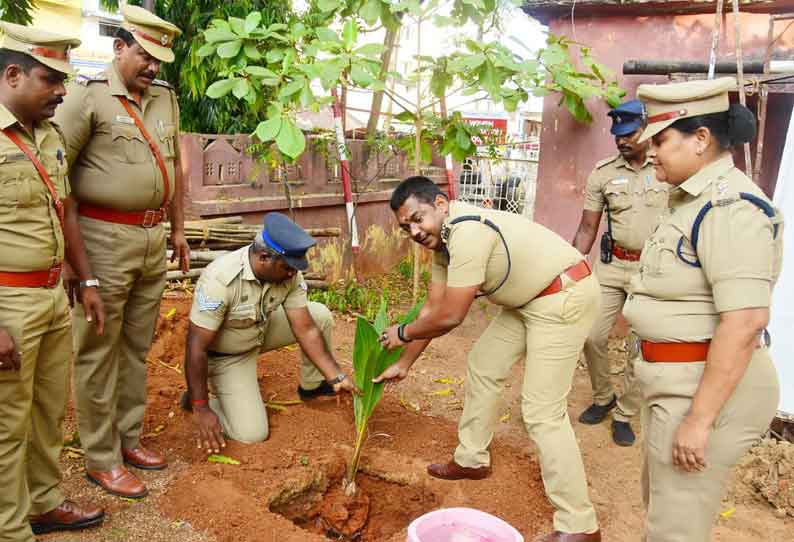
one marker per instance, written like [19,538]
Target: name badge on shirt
[125,120]
[621,180]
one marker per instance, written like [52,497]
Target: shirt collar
[245,261]
[698,182]
[7,118]
[622,162]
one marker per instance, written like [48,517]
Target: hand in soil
[348,385]
[208,429]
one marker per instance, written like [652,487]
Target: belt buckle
[53,275]
[149,217]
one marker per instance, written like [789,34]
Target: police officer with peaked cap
[38,230]
[624,186]
[122,136]
[248,302]
[700,305]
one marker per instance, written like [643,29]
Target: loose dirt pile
[766,472]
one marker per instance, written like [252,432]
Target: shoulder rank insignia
[606,161]
[84,80]
[162,83]
[303,286]
[206,304]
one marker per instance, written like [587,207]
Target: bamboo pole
[715,38]
[762,103]
[748,163]
[418,147]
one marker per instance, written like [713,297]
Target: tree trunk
[148,4]
[377,97]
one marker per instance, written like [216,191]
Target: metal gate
[505,183]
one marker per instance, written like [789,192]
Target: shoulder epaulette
[85,80]
[162,83]
[606,161]
[226,276]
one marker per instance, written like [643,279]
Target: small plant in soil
[369,360]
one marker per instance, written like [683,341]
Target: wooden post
[377,97]
[148,4]
[418,145]
[715,38]
[762,103]
[748,163]
[451,188]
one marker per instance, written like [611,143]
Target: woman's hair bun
[741,124]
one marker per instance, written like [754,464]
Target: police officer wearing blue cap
[248,302]
[624,186]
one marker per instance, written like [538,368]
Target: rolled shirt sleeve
[297,297]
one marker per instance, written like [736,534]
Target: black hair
[125,36]
[9,57]
[731,128]
[422,188]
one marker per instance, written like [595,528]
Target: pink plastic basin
[461,525]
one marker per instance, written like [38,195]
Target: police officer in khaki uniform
[248,302]
[626,187]
[38,228]
[121,130]
[549,301]
[700,306]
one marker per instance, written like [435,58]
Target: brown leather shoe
[453,471]
[558,536]
[144,458]
[68,516]
[119,482]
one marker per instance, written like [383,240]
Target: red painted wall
[570,150]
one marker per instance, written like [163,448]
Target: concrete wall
[569,150]
[223,179]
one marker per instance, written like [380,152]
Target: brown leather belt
[626,254]
[674,352]
[146,219]
[575,273]
[48,278]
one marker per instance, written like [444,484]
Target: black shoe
[595,414]
[622,433]
[323,389]
[185,403]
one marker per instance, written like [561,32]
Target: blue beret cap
[627,117]
[288,239]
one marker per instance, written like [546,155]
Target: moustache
[56,101]
[148,75]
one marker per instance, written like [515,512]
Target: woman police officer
[699,306]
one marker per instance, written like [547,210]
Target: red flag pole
[344,163]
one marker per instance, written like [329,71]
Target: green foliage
[352,298]
[370,359]
[16,11]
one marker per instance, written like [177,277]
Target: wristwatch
[337,379]
[90,283]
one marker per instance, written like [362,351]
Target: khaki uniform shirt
[636,200]
[476,255]
[672,301]
[111,164]
[229,299]
[30,232]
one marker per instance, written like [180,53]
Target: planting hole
[377,510]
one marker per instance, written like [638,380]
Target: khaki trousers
[110,371]
[32,406]
[548,333]
[236,397]
[614,278]
[681,505]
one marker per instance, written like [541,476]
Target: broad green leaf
[350,33]
[306,97]
[292,88]
[382,318]
[463,140]
[206,50]
[268,130]
[252,52]
[370,49]
[406,116]
[274,55]
[360,76]
[217,35]
[290,139]
[370,11]
[230,49]
[259,71]
[221,88]
[252,21]
[241,88]
[326,34]
[328,5]
[238,26]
